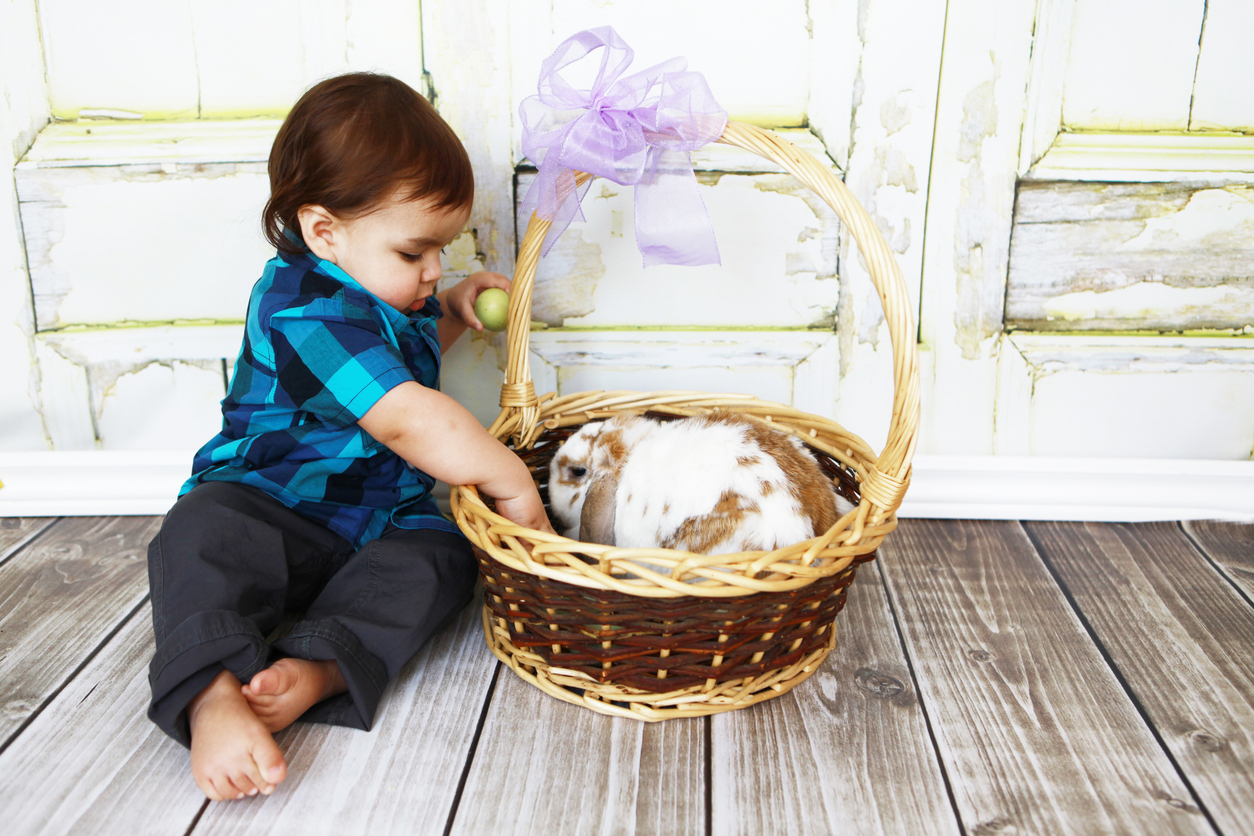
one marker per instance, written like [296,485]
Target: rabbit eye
[578,472]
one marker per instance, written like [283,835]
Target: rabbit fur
[710,484]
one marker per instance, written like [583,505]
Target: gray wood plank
[60,599]
[1102,256]
[1183,640]
[1034,730]
[547,766]
[399,778]
[16,532]
[1231,546]
[848,750]
[91,762]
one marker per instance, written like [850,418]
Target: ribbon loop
[637,130]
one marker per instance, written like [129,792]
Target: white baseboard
[992,487]
[1112,490]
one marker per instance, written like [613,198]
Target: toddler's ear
[318,228]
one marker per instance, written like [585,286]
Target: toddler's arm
[459,305]
[440,437]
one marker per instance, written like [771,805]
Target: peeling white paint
[169,405]
[154,250]
[778,242]
[1145,300]
[1221,216]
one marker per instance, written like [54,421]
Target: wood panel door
[1079,270]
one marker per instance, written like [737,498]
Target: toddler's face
[394,252]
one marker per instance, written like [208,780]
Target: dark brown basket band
[660,645]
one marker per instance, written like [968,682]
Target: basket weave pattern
[607,628]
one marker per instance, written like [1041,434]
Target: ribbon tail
[553,187]
[672,224]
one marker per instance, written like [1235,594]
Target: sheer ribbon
[637,130]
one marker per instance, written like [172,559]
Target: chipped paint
[777,241]
[572,291]
[108,244]
[822,237]
[979,119]
[462,257]
[1211,217]
[979,251]
[894,115]
[1154,257]
[1146,300]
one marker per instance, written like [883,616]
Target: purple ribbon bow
[637,131]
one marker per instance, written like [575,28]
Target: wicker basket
[590,625]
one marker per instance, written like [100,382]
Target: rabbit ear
[596,523]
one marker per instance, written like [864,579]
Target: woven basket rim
[882,479]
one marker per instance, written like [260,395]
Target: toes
[272,768]
[264,682]
[243,784]
[222,790]
[206,786]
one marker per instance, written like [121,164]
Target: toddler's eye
[411,257]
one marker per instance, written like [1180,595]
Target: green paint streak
[181,115]
[1218,332]
[129,324]
[582,329]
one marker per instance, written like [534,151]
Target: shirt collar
[399,319]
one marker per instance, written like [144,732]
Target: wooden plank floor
[991,678]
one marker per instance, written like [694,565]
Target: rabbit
[711,484]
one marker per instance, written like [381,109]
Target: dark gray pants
[229,560]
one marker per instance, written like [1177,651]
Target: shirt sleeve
[334,368]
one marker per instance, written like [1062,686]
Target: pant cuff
[364,675]
[192,655]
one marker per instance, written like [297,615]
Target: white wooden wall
[1066,183]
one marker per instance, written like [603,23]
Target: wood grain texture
[1131,256]
[546,766]
[1181,637]
[1230,546]
[91,762]
[1035,733]
[16,532]
[60,599]
[399,778]
[846,751]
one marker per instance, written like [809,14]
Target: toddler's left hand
[461,299]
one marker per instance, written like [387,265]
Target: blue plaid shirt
[319,350]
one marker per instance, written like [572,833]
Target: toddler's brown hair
[351,142]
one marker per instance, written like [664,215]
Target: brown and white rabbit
[711,484]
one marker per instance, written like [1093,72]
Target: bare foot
[233,754]
[285,690]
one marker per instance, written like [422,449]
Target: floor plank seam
[470,753]
[1118,674]
[196,818]
[918,695]
[36,537]
[56,692]
[707,731]
[1214,564]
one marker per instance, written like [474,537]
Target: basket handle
[886,481]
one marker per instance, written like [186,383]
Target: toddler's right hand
[526,510]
